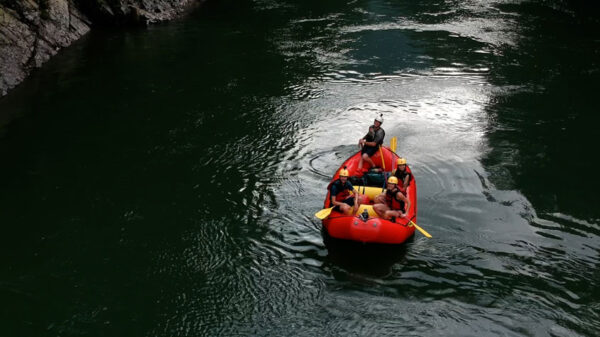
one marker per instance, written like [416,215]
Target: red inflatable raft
[375,229]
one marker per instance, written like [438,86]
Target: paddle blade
[393,144]
[322,214]
[424,232]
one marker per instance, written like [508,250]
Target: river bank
[32,31]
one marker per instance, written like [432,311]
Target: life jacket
[392,201]
[401,175]
[343,191]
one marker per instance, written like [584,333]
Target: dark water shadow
[359,260]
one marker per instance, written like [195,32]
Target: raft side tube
[369,191]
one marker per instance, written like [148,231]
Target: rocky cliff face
[31,31]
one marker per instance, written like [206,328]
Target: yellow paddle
[382,158]
[393,143]
[322,214]
[424,232]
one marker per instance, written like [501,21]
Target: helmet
[379,118]
[393,180]
[401,161]
[344,172]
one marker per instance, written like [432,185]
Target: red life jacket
[391,200]
[343,195]
[401,175]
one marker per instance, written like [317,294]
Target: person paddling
[341,194]
[370,142]
[391,203]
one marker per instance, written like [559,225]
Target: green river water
[163,181]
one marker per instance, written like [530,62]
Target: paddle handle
[382,157]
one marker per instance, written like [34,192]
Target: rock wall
[31,31]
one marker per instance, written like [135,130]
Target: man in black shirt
[344,197]
[371,142]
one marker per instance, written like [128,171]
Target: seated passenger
[404,177]
[391,203]
[341,194]
[370,142]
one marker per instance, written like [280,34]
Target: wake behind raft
[373,229]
